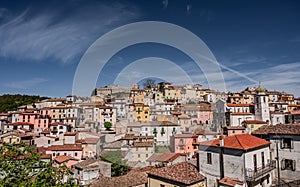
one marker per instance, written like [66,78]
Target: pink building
[40,121]
[184,143]
[234,130]
[72,150]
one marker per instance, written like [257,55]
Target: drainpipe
[221,139]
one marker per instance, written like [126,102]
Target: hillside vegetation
[12,102]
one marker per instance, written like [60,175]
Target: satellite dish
[247,129]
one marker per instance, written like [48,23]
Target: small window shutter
[283,164]
[294,165]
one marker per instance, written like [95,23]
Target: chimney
[221,139]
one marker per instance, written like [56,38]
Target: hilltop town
[165,135]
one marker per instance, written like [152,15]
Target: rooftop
[278,129]
[230,182]
[240,141]
[65,147]
[184,173]
[133,178]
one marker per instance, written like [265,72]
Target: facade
[184,143]
[243,157]
[89,170]
[287,138]
[141,151]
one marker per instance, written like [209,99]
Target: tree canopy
[12,102]
[118,166]
[20,165]
[107,125]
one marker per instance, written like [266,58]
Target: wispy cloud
[59,34]
[25,84]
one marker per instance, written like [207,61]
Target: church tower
[261,104]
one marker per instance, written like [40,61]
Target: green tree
[21,166]
[118,164]
[107,125]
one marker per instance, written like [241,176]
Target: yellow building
[142,112]
[252,125]
[183,174]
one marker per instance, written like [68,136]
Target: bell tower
[261,101]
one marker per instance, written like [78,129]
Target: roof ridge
[236,137]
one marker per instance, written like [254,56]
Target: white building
[243,158]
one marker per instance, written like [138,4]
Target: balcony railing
[252,175]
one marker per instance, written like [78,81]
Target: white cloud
[58,35]
[25,84]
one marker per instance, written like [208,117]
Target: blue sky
[42,42]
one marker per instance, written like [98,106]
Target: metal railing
[252,174]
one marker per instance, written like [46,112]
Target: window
[255,163]
[139,155]
[137,149]
[162,185]
[146,148]
[209,161]
[75,154]
[263,159]
[48,141]
[286,143]
[288,164]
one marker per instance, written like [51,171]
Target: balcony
[252,175]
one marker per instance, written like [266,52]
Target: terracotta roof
[241,113]
[20,123]
[278,129]
[63,158]
[254,122]
[88,140]
[70,133]
[184,173]
[143,144]
[46,131]
[133,178]
[239,105]
[230,182]
[163,157]
[239,141]
[183,116]
[65,147]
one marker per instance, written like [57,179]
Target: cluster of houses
[169,135]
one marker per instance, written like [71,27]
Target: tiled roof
[65,147]
[184,172]
[239,105]
[46,131]
[63,158]
[230,182]
[20,123]
[240,141]
[143,144]
[255,122]
[70,133]
[163,157]
[133,178]
[241,113]
[278,129]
